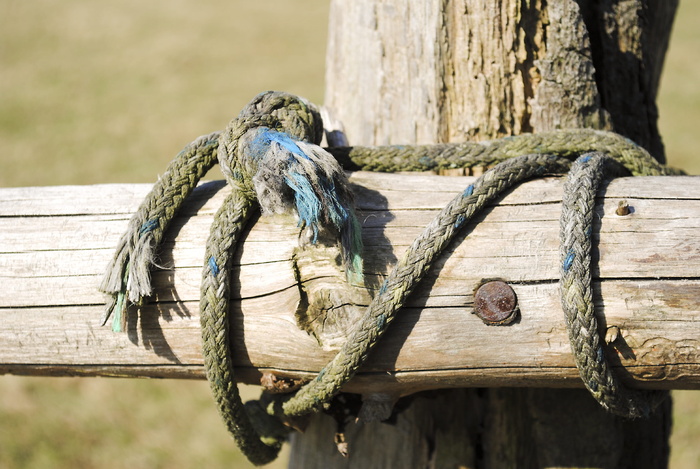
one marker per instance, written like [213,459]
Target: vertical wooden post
[428,71]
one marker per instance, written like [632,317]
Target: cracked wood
[56,241]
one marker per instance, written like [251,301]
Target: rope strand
[409,270]
[575,232]
[128,278]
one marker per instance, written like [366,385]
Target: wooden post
[405,72]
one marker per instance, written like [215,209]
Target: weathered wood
[55,243]
[433,71]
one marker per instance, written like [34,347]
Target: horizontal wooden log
[293,308]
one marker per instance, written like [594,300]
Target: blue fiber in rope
[569,260]
[307,202]
[212,266]
[266,137]
[149,225]
[237,175]
[599,356]
[427,162]
[384,287]
[468,191]
[288,144]
[337,212]
[381,322]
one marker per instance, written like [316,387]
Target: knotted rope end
[294,174]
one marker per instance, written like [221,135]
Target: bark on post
[429,71]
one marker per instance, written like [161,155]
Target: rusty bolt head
[495,303]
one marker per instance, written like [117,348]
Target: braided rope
[128,273]
[226,230]
[566,143]
[409,270]
[251,167]
[296,118]
[576,223]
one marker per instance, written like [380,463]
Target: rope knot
[268,154]
[273,110]
[294,174]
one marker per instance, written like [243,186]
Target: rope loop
[576,223]
[270,156]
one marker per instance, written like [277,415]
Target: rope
[230,221]
[269,155]
[576,224]
[409,270]
[259,164]
[128,274]
[566,143]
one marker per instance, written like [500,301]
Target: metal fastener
[623,208]
[495,303]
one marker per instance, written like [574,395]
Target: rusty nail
[622,208]
[495,303]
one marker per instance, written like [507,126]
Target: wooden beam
[56,241]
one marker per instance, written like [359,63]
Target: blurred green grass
[108,92]
[113,423]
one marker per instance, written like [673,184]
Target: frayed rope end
[125,285]
[295,174]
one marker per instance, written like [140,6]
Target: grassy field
[97,92]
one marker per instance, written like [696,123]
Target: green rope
[514,160]
[409,270]
[575,232]
[566,143]
[230,221]
[128,277]
[297,118]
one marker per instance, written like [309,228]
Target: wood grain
[55,243]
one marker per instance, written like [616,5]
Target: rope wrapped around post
[270,156]
[575,232]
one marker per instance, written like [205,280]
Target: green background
[109,92]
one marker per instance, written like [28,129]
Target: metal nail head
[495,303]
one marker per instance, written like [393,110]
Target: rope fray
[128,278]
[300,177]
